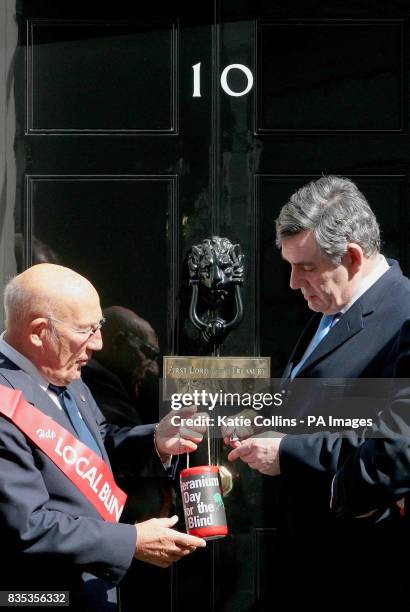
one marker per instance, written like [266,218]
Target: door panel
[322,83]
[82,63]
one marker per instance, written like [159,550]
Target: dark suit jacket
[361,345]
[378,472]
[53,538]
[316,545]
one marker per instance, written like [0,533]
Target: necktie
[325,325]
[70,408]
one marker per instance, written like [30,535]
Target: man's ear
[354,258]
[37,329]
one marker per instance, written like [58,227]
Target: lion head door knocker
[216,277]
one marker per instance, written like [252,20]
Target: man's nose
[95,341]
[295,279]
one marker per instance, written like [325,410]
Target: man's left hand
[260,452]
[176,439]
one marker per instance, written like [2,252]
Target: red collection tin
[203,504]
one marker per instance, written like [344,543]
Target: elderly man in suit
[56,532]
[330,237]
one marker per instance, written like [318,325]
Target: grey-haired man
[330,237]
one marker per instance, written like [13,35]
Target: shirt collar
[22,362]
[380,268]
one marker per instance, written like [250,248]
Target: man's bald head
[53,318]
[43,290]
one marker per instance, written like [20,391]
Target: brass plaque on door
[185,374]
[200,368]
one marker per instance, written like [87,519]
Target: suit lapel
[349,325]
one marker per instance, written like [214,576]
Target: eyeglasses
[151,352]
[84,332]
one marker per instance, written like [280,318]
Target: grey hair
[336,212]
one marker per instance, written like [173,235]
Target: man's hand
[160,545]
[176,439]
[232,434]
[260,452]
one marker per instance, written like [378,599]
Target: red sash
[86,470]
